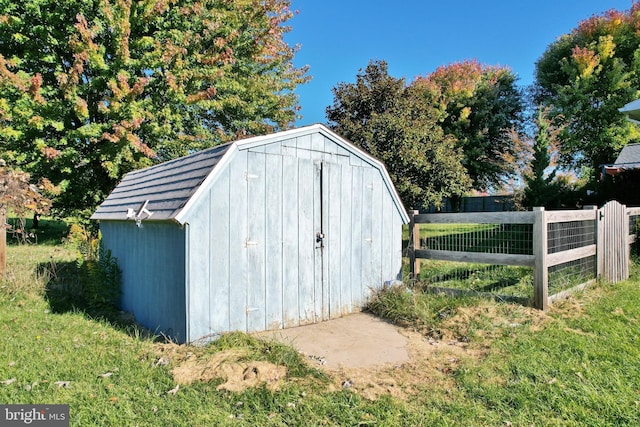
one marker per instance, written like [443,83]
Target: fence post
[597,224]
[540,271]
[414,242]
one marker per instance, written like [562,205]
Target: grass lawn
[578,364]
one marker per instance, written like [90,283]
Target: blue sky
[338,38]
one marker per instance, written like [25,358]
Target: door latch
[320,239]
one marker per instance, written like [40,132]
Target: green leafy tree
[92,89]
[483,110]
[541,188]
[585,77]
[398,125]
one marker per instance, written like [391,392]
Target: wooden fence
[557,238]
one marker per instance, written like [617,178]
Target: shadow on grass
[76,286]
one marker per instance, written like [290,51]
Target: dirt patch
[229,366]
[191,364]
[430,366]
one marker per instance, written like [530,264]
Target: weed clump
[91,283]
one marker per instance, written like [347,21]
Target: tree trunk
[3,242]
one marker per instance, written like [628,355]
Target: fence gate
[613,247]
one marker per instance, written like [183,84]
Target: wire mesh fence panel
[500,255]
[573,273]
[483,278]
[564,236]
[514,239]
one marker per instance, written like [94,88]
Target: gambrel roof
[171,188]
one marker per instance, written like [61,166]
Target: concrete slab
[358,340]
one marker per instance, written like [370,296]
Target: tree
[483,109]
[19,195]
[540,189]
[584,77]
[399,126]
[92,89]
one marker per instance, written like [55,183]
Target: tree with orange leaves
[584,77]
[482,107]
[92,89]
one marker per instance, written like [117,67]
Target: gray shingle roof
[167,186]
[630,154]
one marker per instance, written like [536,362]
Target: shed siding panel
[333,255]
[319,275]
[306,240]
[367,234]
[331,149]
[237,247]
[274,242]
[303,145]
[274,148]
[199,263]
[152,262]
[291,228]
[387,247]
[322,280]
[256,266]
[397,247]
[317,147]
[220,279]
[357,239]
[375,277]
[346,238]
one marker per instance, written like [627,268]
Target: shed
[263,233]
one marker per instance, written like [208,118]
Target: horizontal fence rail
[564,248]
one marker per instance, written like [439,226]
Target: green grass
[577,365]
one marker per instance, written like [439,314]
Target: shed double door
[320,241]
[304,249]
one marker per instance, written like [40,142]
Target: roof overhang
[618,168]
[632,111]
